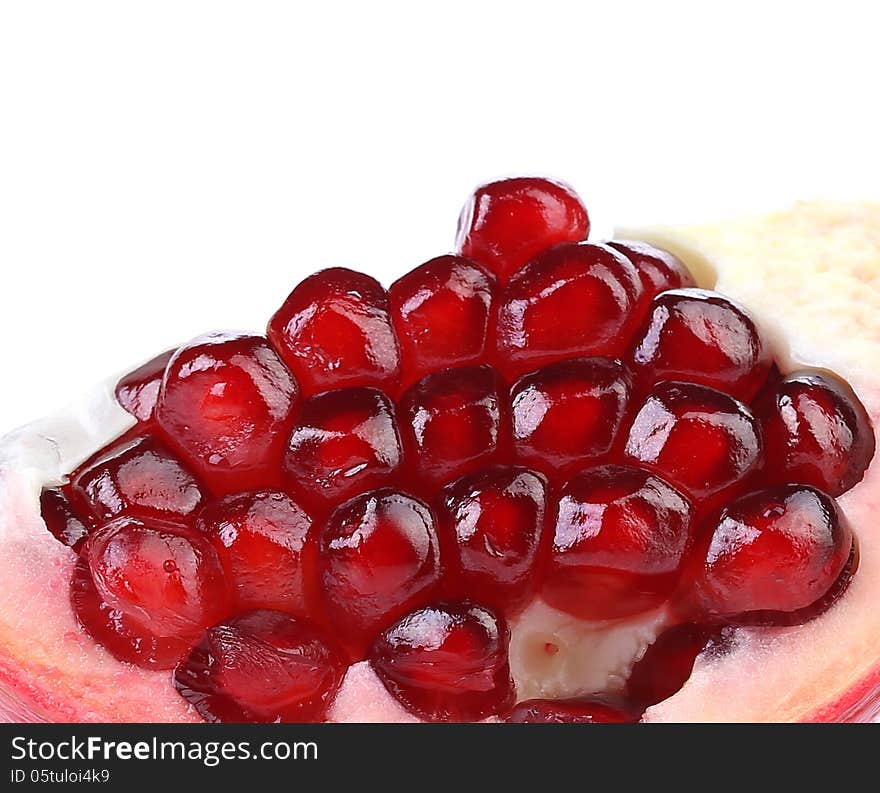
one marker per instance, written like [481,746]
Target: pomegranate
[540,480]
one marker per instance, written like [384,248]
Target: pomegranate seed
[441,312]
[343,441]
[451,422]
[263,540]
[569,412]
[667,663]
[773,551]
[117,632]
[137,477]
[658,270]
[379,557]
[495,517]
[572,300]
[225,406]
[334,331]
[447,663]
[569,711]
[621,534]
[504,224]
[701,337]
[138,391]
[64,524]
[816,432]
[165,577]
[263,666]
[702,441]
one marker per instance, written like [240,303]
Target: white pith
[815,277]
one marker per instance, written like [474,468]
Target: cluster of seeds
[392,475]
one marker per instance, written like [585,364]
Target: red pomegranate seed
[569,412]
[165,577]
[773,551]
[570,711]
[658,270]
[620,537]
[701,337]
[334,331]
[343,442]
[816,432]
[451,422]
[447,663]
[226,406]
[504,224]
[702,441]
[441,312]
[264,666]
[379,557]
[264,541]
[573,300]
[65,525]
[117,632]
[138,391]
[495,518]
[667,663]
[137,477]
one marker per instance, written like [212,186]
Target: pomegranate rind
[810,276]
[50,670]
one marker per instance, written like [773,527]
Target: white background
[171,167]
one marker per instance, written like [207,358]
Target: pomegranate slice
[637,559]
[447,663]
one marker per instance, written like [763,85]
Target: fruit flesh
[861,486]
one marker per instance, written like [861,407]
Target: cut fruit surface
[595,489]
